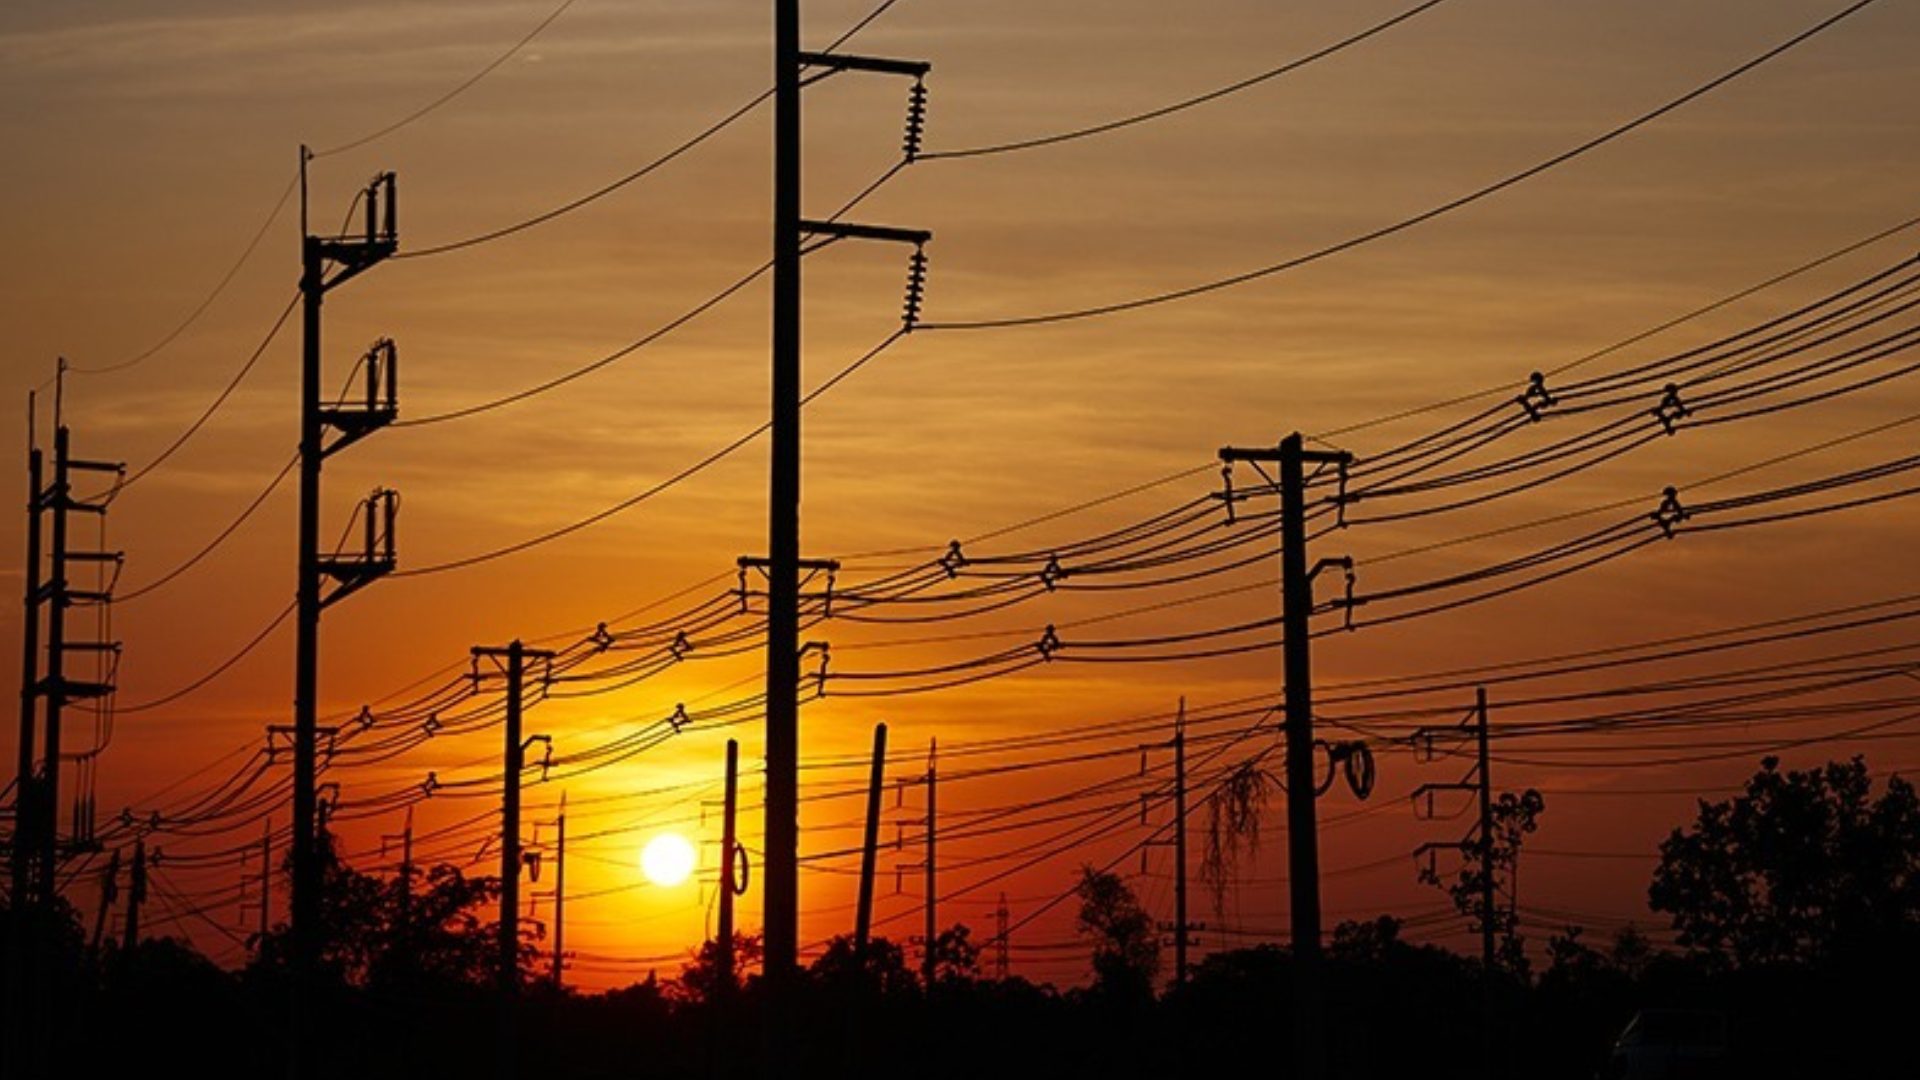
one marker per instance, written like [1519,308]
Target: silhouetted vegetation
[1796,903]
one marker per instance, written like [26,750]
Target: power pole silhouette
[1303,846]
[55,689]
[136,892]
[265,877]
[1477,844]
[1002,966]
[109,893]
[730,850]
[405,839]
[25,789]
[326,263]
[1485,769]
[560,895]
[781,874]
[929,876]
[1181,927]
[870,846]
[511,662]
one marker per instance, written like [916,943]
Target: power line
[459,89]
[219,400]
[218,288]
[1186,103]
[687,473]
[604,190]
[1406,223]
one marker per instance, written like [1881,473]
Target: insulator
[916,287]
[916,119]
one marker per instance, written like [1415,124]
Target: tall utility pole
[136,892]
[511,660]
[870,847]
[514,762]
[729,844]
[781,882]
[327,262]
[1303,842]
[560,895]
[55,689]
[780,877]
[25,798]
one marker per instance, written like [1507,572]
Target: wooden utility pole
[1487,934]
[560,896]
[870,847]
[1303,842]
[781,873]
[136,893]
[931,878]
[729,846]
[1180,846]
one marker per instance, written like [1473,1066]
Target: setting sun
[667,859]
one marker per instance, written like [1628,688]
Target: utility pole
[25,797]
[56,690]
[870,848]
[729,844]
[931,882]
[1303,846]
[1181,927]
[515,654]
[781,873]
[1002,965]
[264,904]
[559,894]
[511,661]
[109,892]
[136,893]
[1487,934]
[326,263]
[1180,846]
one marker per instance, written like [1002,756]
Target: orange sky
[144,150]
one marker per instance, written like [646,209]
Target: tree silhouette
[422,930]
[700,979]
[956,959]
[881,970]
[1800,868]
[1514,816]
[1126,948]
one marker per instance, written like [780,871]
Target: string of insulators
[916,119]
[916,287]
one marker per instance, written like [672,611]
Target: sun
[667,859]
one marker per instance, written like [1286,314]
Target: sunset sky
[145,149]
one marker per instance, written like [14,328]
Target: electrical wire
[1409,222]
